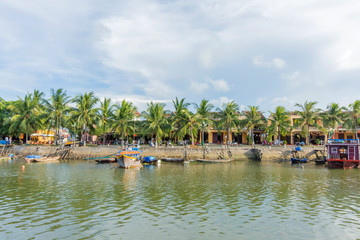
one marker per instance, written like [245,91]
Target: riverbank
[241,152]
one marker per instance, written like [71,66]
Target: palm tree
[253,118]
[55,110]
[122,118]
[334,116]
[354,115]
[26,115]
[104,113]
[204,111]
[84,113]
[156,122]
[280,120]
[177,118]
[192,123]
[309,117]
[229,117]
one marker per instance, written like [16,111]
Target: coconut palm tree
[253,118]
[26,115]
[192,123]
[156,122]
[229,117]
[280,120]
[122,117]
[205,119]
[84,114]
[354,115]
[334,116]
[55,110]
[177,118]
[104,113]
[309,117]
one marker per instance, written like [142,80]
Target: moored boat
[37,158]
[343,153]
[214,160]
[299,160]
[127,161]
[174,160]
[149,160]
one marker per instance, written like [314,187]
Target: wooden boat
[106,160]
[343,153]
[320,161]
[174,160]
[5,158]
[126,161]
[214,160]
[37,158]
[299,160]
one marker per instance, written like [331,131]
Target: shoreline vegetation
[85,116]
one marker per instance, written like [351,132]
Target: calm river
[240,200]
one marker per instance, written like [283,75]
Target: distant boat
[214,160]
[37,158]
[106,159]
[129,160]
[299,160]
[174,160]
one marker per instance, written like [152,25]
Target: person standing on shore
[6,140]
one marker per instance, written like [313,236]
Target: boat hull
[214,160]
[176,160]
[338,163]
[128,162]
[298,160]
[43,159]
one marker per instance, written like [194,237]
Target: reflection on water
[80,199]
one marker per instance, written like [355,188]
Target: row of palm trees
[87,114]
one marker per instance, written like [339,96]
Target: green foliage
[229,117]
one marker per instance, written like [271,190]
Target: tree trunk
[192,136]
[278,130]
[253,139]
[202,137]
[104,135]
[156,141]
[356,133]
[308,136]
[85,134]
[228,135]
[122,139]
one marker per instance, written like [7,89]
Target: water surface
[239,200]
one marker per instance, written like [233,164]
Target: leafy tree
[280,120]
[192,123]
[309,117]
[122,118]
[177,116]
[56,109]
[204,111]
[104,115]
[354,115]
[84,114]
[156,122]
[334,116]
[253,118]
[229,117]
[26,117]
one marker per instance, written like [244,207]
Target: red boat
[343,153]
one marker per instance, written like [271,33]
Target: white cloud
[220,101]
[275,62]
[291,77]
[219,84]
[198,87]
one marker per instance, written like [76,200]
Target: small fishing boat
[106,160]
[149,160]
[37,158]
[129,160]
[214,160]
[343,153]
[299,160]
[173,160]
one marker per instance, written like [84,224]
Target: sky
[255,52]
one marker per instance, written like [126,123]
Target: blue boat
[299,160]
[149,160]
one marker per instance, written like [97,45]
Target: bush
[285,142]
[317,141]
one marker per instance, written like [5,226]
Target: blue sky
[256,52]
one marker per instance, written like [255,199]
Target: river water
[239,200]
